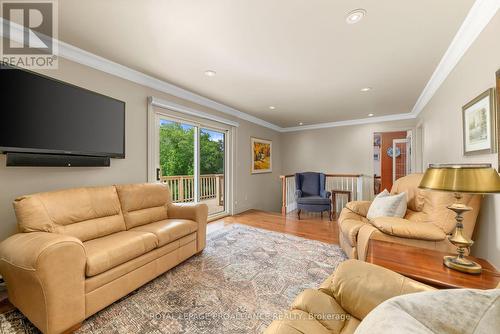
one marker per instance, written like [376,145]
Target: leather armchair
[343,300]
[310,193]
[426,224]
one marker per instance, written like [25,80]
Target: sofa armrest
[403,228]
[359,207]
[45,276]
[325,194]
[359,286]
[195,212]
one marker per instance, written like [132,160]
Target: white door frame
[166,111]
[407,141]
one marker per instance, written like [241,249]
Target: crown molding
[379,119]
[86,58]
[480,14]
[478,17]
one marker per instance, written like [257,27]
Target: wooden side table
[426,266]
[336,192]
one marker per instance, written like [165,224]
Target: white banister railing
[182,187]
[356,184]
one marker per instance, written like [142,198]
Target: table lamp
[463,178]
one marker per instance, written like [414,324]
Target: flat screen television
[39,114]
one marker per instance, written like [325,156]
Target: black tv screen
[42,115]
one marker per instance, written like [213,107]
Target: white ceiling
[297,55]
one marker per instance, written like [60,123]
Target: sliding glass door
[176,159]
[212,162]
[191,159]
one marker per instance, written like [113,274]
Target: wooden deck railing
[182,187]
[355,183]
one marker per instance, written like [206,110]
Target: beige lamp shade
[463,178]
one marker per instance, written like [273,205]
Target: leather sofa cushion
[143,203]
[313,200]
[415,216]
[409,185]
[84,213]
[433,204]
[297,322]
[112,250]
[358,287]
[408,229]
[95,282]
[168,230]
[359,207]
[323,307]
[436,210]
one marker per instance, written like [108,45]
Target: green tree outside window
[177,150]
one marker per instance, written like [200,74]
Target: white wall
[347,149]
[251,191]
[442,127]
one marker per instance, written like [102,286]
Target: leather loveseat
[426,224]
[79,250]
[363,298]
[343,300]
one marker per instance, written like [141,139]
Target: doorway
[392,154]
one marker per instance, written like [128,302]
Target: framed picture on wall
[261,155]
[479,124]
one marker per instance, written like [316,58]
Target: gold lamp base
[463,243]
[462,264]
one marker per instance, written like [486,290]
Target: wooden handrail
[189,176]
[327,175]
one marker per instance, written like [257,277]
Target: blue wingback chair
[310,193]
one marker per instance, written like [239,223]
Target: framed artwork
[479,124]
[261,155]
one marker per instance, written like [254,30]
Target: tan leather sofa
[427,222]
[343,300]
[367,299]
[79,250]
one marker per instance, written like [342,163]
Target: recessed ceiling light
[370,115]
[366,89]
[210,73]
[272,107]
[355,16]
[301,123]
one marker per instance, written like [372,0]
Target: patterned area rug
[243,279]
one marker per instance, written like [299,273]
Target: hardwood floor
[310,226]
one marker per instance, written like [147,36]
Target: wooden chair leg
[298,214]
[331,215]
[321,214]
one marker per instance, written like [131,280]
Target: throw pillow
[385,205]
